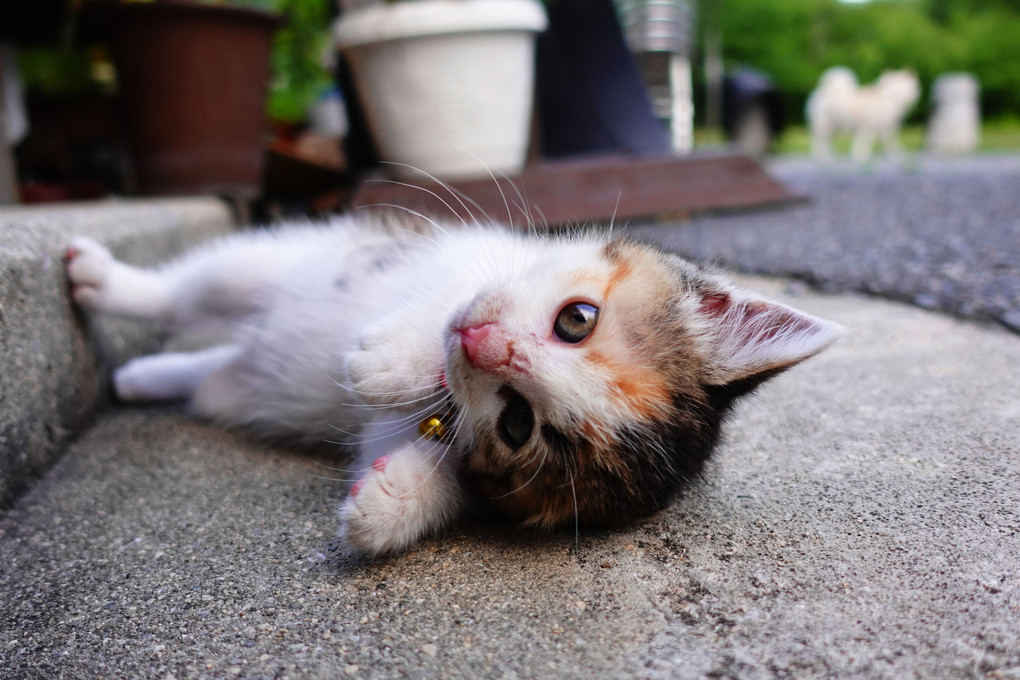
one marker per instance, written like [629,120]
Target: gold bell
[432,428]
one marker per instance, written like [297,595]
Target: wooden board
[580,191]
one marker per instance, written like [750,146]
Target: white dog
[871,112]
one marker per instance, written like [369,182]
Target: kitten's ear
[749,339]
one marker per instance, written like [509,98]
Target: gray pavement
[942,233]
[861,519]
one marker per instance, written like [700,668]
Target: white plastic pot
[446,85]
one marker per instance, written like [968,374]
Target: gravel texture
[939,233]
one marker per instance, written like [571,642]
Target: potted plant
[446,85]
[193,79]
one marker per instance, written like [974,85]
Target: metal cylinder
[658,25]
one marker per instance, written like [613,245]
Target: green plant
[56,70]
[300,50]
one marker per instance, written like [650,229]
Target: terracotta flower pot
[193,82]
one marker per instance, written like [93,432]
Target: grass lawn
[995,136]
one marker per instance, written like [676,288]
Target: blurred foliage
[795,40]
[57,70]
[301,52]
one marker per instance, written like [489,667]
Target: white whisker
[573,492]
[485,166]
[430,193]
[461,198]
[407,210]
[331,479]
[531,479]
[390,427]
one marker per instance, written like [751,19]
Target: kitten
[562,379]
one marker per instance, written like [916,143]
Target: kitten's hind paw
[88,265]
[99,283]
[401,499]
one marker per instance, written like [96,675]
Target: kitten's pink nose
[472,337]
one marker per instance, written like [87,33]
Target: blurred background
[725,74]
[794,41]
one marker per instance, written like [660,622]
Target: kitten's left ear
[748,339]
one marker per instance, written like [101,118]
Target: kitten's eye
[575,322]
[517,420]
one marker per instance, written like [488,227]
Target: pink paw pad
[378,465]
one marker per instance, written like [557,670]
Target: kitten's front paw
[398,501]
[386,373]
[88,266]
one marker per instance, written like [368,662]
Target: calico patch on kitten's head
[594,392]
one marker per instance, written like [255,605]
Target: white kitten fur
[401,496]
[315,348]
[103,284]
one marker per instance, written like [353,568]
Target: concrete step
[53,360]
